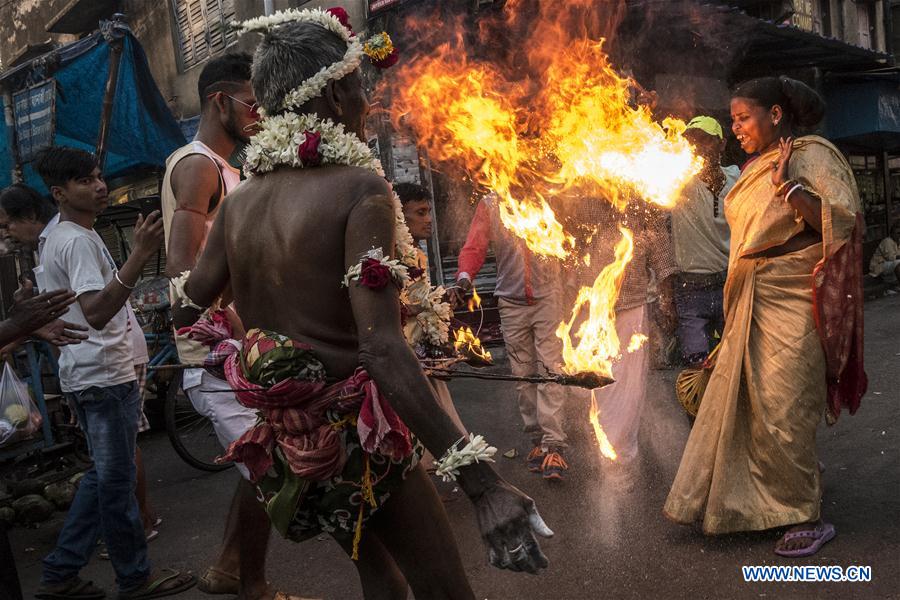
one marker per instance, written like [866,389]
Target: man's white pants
[214,399]
[620,404]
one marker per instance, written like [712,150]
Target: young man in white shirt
[27,218]
[99,381]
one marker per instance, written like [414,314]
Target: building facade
[690,51]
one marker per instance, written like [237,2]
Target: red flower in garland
[415,272]
[373,274]
[308,151]
[341,15]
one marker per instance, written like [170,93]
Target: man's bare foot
[804,539]
[218,581]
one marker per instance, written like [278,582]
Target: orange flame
[467,343]
[637,342]
[474,301]
[606,448]
[555,122]
[597,341]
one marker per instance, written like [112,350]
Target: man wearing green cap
[701,237]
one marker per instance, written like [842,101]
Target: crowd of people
[310,381]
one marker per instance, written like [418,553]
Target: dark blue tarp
[867,107]
[142,131]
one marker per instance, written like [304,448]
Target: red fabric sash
[838,310]
[296,419]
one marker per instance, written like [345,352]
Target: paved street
[608,544]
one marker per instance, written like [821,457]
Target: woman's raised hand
[781,164]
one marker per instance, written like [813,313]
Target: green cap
[707,125]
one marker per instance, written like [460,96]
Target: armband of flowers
[375,271]
[455,458]
[178,284]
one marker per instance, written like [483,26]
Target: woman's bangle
[122,283]
[785,186]
[798,186]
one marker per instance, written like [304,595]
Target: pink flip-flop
[821,534]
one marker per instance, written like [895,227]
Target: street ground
[608,544]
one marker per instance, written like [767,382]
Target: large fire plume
[554,122]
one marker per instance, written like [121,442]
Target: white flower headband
[336,21]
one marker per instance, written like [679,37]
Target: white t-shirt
[75,258]
[135,333]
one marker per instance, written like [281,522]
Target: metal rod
[588,381]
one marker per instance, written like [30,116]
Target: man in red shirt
[528,292]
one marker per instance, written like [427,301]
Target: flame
[606,448]
[474,301]
[637,342]
[548,120]
[467,343]
[596,342]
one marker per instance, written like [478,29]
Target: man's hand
[458,294]
[32,312]
[508,520]
[62,333]
[148,234]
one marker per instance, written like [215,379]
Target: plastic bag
[19,417]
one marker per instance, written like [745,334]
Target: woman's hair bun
[801,104]
[806,105]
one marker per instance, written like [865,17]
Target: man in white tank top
[197,179]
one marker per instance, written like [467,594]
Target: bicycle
[191,434]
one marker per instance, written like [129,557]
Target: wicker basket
[691,384]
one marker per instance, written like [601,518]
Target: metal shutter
[202,27]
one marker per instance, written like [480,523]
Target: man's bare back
[285,246]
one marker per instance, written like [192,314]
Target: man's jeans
[105,504]
[700,312]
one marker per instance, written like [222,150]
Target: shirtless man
[284,241]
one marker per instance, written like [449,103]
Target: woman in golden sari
[792,346]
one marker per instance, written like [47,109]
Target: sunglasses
[253,108]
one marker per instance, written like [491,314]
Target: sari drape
[750,461]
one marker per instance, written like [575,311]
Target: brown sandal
[216,581]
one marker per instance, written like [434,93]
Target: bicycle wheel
[191,433]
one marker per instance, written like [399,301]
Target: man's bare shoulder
[195,165]
[342,185]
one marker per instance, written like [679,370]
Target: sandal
[156,587]
[820,534]
[217,581]
[73,589]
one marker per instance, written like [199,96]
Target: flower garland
[305,141]
[375,271]
[476,450]
[379,48]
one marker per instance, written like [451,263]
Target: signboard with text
[34,111]
[376,6]
[805,16]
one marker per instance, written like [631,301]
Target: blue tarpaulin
[142,130]
[865,112]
